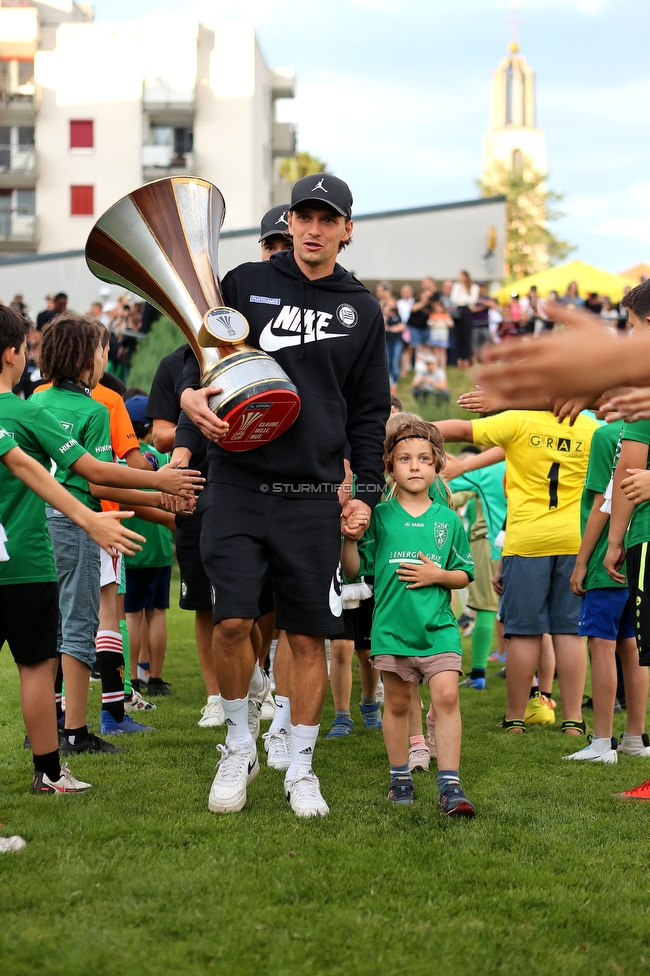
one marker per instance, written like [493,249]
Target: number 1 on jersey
[553,478]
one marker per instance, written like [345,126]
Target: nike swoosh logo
[271,341]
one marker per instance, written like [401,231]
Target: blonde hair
[404,426]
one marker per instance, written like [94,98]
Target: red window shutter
[82,201]
[81,134]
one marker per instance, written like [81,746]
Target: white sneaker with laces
[419,758]
[635,745]
[304,795]
[255,702]
[136,703]
[591,755]
[237,768]
[278,749]
[212,714]
[66,783]
[268,707]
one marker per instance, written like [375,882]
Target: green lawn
[137,876]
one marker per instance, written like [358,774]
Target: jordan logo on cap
[282,219]
[319,186]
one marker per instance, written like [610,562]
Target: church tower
[513,135]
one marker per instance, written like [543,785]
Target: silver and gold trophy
[161,242]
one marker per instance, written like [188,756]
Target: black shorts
[29,620]
[195,585]
[357,624]
[252,544]
[147,589]
[638,583]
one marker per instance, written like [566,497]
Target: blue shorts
[606,613]
[537,598]
[147,589]
[419,337]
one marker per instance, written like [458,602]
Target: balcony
[283,83]
[17,165]
[18,232]
[284,139]
[159,161]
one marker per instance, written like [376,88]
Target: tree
[530,245]
[293,168]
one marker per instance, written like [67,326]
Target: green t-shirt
[22,513]
[159,548]
[417,622]
[605,448]
[638,530]
[89,423]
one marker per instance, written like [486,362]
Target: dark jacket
[328,336]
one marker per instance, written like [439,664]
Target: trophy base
[258,400]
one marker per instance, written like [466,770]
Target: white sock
[282,715]
[236,712]
[256,684]
[636,740]
[600,744]
[303,743]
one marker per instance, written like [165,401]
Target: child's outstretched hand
[415,575]
[637,485]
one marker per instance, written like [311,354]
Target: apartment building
[90,111]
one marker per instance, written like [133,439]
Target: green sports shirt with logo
[22,513]
[638,531]
[413,622]
[603,455]
[159,550]
[88,422]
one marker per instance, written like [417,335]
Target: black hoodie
[328,336]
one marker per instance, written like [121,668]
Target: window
[81,134]
[82,202]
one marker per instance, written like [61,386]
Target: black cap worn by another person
[137,410]
[326,189]
[274,222]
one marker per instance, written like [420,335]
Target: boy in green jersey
[73,357]
[27,573]
[606,616]
[418,552]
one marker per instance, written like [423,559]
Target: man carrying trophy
[272,515]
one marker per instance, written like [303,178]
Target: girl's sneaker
[419,759]
[635,745]
[591,755]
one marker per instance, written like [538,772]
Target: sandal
[515,725]
[580,727]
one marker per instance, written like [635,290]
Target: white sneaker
[136,703]
[631,746]
[304,795]
[237,768]
[255,702]
[14,843]
[268,707]
[419,758]
[278,749]
[212,713]
[66,783]
[609,756]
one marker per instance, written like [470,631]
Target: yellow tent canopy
[557,279]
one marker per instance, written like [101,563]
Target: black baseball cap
[274,222]
[326,189]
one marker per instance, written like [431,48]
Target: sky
[394,96]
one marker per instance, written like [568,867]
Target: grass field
[137,877]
